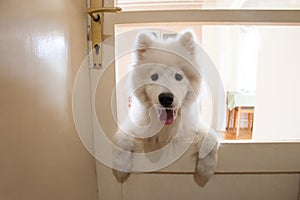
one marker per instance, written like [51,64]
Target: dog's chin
[167,116]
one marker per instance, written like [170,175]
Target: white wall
[234,50]
[278,94]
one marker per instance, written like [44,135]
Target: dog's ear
[143,43]
[187,40]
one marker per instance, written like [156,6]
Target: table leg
[238,122]
[249,121]
[252,118]
[229,118]
[234,118]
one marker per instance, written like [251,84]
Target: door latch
[97,36]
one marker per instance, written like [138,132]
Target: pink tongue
[166,116]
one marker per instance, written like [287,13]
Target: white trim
[278,17]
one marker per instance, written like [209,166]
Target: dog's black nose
[166,99]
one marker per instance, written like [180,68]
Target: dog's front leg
[205,168]
[122,161]
[206,159]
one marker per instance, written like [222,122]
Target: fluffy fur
[164,87]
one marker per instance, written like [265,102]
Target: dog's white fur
[143,129]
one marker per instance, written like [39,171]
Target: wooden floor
[245,134]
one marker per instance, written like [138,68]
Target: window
[245,39]
[239,53]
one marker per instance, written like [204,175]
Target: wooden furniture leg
[229,118]
[252,121]
[249,121]
[234,117]
[238,122]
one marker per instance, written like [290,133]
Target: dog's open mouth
[167,116]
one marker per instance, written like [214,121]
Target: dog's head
[165,74]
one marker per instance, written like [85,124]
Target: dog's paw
[205,169]
[121,176]
[203,173]
[200,179]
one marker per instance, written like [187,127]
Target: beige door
[42,44]
[246,170]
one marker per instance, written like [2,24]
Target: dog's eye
[178,77]
[154,77]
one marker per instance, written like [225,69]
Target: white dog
[164,87]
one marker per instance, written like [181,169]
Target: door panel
[41,156]
[181,186]
[245,157]
[227,187]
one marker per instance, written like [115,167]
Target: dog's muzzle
[167,113]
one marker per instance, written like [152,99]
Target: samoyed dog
[164,87]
